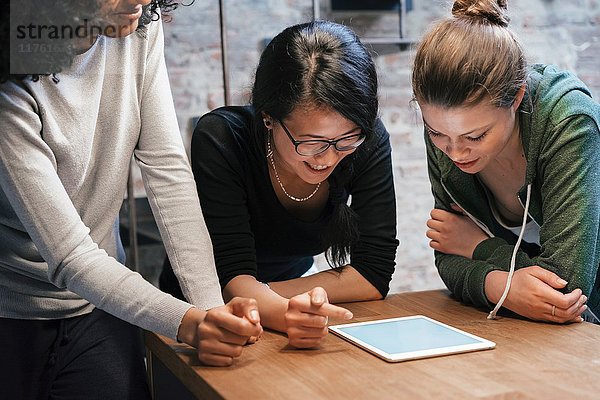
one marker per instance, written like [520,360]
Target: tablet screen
[410,337]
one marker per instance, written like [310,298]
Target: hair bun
[494,11]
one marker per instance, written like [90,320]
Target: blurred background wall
[562,32]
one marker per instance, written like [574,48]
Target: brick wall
[566,33]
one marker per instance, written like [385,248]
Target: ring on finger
[553,310]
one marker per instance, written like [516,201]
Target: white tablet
[409,338]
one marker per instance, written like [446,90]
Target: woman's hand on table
[534,293]
[220,333]
[453,233]
[307,316]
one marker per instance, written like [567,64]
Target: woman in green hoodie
[514,163]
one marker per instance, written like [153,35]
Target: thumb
[245,307]
[549,278]
[318,296]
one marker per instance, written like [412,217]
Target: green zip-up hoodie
[560,133]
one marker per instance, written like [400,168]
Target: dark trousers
[94,356]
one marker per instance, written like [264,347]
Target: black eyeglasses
[318,146]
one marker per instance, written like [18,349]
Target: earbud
[267,122]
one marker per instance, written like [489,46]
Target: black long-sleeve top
[253,234]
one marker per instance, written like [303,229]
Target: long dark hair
[320,63]
[53,55]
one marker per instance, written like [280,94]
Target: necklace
[270,157]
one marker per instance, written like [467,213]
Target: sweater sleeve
[170,185]
[219,171]
[29,180]
[374,200]
[568,169]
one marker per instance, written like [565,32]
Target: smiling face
[310,123]
[121,17]
[473,136]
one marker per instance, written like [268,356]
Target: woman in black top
[274,180]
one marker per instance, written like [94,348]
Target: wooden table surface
[531,361]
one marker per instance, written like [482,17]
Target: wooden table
[531,361]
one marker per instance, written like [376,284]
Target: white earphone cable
[513,259]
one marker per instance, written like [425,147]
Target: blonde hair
[465,58]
